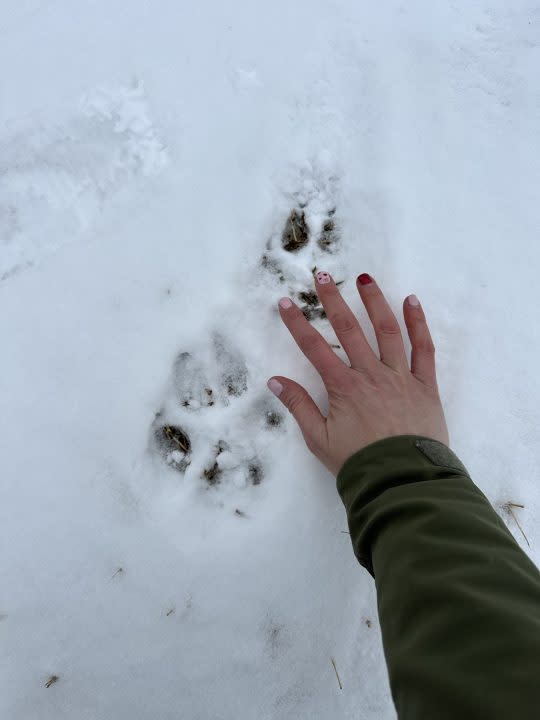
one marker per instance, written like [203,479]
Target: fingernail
[275,386]
[413,300]
[323,278]
[364,279]
[285,303]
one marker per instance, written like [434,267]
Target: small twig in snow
[509,509]
[337,674]
[293,232]
[173,437]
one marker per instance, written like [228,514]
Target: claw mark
[312,308]
[51,681]
[255,473]
[119,571]
[309,297]
[313,313]
[221,447]
[273,418]
[212,474]
[329,236]
[272,266]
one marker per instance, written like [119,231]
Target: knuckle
[425,345]
[293,401]
[342,323]
[310,343]
[371,291]
[388,328]
[421,339]
[419,324]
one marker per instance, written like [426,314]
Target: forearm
[459,602]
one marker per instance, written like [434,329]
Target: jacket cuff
[386,464]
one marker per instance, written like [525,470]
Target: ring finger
[385,324]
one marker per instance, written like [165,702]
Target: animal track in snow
[55,179]
[193,392]
[309,240]
[210,419]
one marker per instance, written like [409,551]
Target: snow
[148,154]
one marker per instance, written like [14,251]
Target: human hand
[373,398]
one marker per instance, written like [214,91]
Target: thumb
[302,407]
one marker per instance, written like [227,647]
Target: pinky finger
[423,349]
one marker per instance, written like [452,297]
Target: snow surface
[148,153]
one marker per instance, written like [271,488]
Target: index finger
[310,342]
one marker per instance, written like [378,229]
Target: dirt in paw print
[215,422]
[233,465]
[200,391]
[173,444]
[311,305]
[295,234]
[308,240]
[329,237]
[213,474]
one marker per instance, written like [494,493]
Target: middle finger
[344,322]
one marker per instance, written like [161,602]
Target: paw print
[309,240]
[210,421]
[184,430]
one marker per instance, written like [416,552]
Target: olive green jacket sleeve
[458,600]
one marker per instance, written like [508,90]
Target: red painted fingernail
[364,279]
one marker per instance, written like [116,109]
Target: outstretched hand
[373,398]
